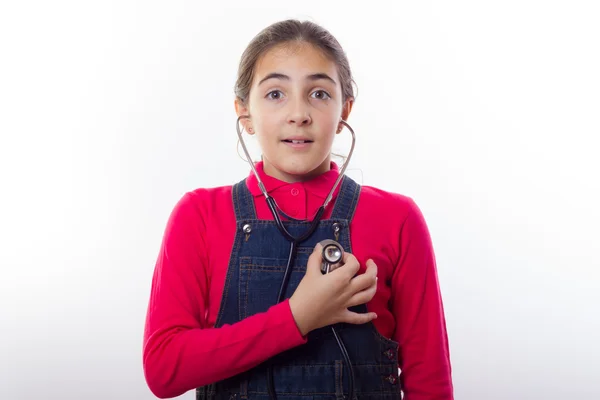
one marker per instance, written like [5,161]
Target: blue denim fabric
[314,370]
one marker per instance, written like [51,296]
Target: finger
[362,297]
[314,260]
[333,267]
[366,279]
[318,249]
[350,267]
[357,318]
[371,266]
[347,257]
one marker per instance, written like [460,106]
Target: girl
[221,321]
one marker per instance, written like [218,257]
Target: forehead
[295,60]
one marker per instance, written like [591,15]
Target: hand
[321,300]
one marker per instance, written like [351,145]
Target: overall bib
[314,370]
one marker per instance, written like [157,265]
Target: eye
[274,95]
[321,95]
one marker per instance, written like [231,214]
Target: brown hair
[292,31]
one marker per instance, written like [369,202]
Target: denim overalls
[314,370]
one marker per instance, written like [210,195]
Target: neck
[288,177]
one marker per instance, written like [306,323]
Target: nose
[299,114]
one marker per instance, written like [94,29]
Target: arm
[180,352]
[417,305]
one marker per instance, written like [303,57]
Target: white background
[486,113]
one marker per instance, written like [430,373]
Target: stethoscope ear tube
[332,254]
[260,182]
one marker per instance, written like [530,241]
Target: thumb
[314,260]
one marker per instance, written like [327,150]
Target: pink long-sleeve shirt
[182,350]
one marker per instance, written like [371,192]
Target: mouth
[293,141]
[297,144]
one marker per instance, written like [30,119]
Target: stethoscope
[332,252]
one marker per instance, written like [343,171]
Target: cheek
[264,127]
[260,117]
[329,123]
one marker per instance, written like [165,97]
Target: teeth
[298,141]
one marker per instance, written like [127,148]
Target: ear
[242,110]
[346,109]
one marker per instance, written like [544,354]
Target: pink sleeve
[179,352]
[417,305]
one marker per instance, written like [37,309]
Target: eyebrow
[313,77]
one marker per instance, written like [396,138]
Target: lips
[297,140]
[298,143]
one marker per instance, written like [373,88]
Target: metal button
[392,379]
[389,353]
[337,227]
[247,228]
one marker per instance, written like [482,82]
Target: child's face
[295,95]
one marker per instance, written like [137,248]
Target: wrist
[300,317]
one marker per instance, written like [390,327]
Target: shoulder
[394,205]
[397,213]
[201,197]
[202,202]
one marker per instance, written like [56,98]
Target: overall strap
[347,199]
[243,202]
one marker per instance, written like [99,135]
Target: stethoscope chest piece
[332,254]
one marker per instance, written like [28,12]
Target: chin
[298,168]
